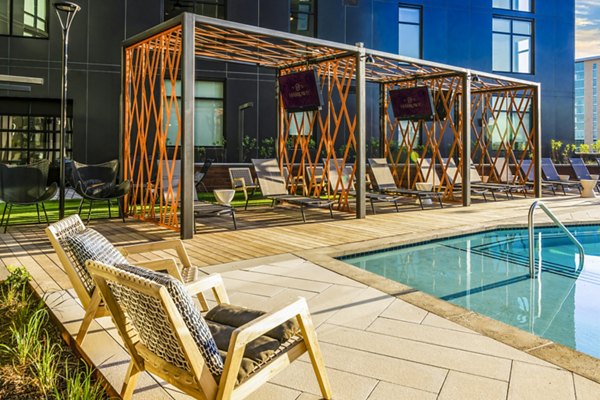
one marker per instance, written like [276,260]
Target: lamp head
[67,6]
[370,59]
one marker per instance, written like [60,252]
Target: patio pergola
[479,116]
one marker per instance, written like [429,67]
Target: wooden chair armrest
[163,264]
[242,182]
[171,244]
[212,282]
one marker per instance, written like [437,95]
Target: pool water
[489,274]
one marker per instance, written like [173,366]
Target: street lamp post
[66,11]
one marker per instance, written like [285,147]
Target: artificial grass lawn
[28,215]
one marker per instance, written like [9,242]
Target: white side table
[587,187]
[427,186]
[224,196]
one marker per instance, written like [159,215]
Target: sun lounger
[527,171]
[552,176]
[453,176]
[384,180]
[273,186]
[581,171]
[506,177]
[346,182]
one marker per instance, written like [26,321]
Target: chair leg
[302,211]
[80,206]
[89,316]
[7,217]
[373,206]
[121,204]
[3,212]
[37,210]
[331,211]
[109,213]
[130,381]
[89,212]
[441,202]
[420,202]
[233,218]
[45,213]
[314,352]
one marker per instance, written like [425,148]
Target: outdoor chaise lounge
[506,177]
[241,179]
[430,175]
[74,244]
[528,172]
[273,186]
[581,171]
[226,354]
[201,208]
[553,177]
[345,182]
[385,183]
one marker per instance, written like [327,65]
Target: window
[579,102]
[409,31]
[30,130]
[595,101]
[208,8]
[26,18]
[208,114]
[303,17]
[512,45]
[515,5]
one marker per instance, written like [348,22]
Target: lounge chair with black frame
[241,179]
[528,172]
[202,209]
[75,244]
[97,183]
[385,183]
[273,186]
[345,182]
[581,171]
[201,174]
[23,185]
[453,176]
[228,353]
[553,177]
[504,174]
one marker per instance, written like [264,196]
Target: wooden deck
[279,236]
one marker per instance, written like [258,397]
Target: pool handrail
[531,226]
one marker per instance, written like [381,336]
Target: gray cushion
[190,314]
[91,245]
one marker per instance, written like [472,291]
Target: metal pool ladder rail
[531,227]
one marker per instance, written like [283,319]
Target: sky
[587,28]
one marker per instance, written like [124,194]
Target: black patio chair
[97,182]
[24,185]
[199,176]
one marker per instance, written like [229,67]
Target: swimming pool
[489,274]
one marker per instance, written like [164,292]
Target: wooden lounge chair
[74,244]
[552,176]
[385,183]
[273,186]
[227,354]
[345,182]
[241,179]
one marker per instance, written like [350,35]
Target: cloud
[587,42]
[583,22]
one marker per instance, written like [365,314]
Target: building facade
[520,38]
[586,99]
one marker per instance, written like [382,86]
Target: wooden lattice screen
[309,140]
[151,104]
[502,126]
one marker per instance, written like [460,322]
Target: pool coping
[544,349]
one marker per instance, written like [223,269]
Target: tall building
[586,99]
[527,39]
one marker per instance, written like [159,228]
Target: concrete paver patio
[376,345]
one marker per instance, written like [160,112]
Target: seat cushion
[88,244]
[225,318]
[191,316]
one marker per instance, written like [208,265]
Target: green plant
[596,146]
[267,148]
[568,152]
[13,288]
[248,148]
[555,146]
[79,385]
[46,365]
[26,346]
[584,148]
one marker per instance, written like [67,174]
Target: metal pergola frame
[170,49]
